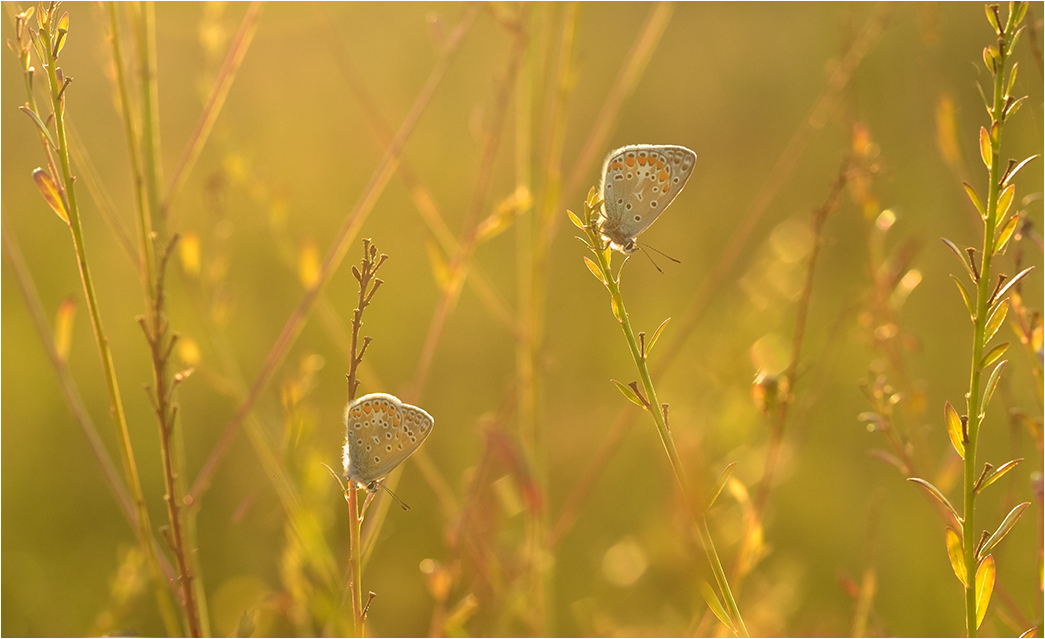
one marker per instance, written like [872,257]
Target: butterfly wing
[381,432]
[638,183]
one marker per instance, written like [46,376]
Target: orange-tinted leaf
[1005,200]
[985,148]
[628,393]
[994,355]
[594,268]
[997,473]
[1006,525]
[1005,234]
[954,428]
[51,193]
[63,327]
[576,220]
[995,320]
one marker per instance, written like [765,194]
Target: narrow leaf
[656,334]
[997,474]
[985,147]
[716,490]
[630,394]
[1005,200]
[994,355]
[1011,174]
[961,257]
[1012,78]
[1021,11]
[1006,525]
[1015,39]
[716,606]
[615,306]
[965,296]
[935,492]
[1030,632]
[995,320]
[1014,107]
[992,384]
[993,19]
[954,428]
[984,587]
[594,268]
[40,125]
[956,554]
[1005,289]
[576,220]
[51,194]
[1005,234]
[63,31]
[975,200]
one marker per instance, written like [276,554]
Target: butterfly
[380,432]
[639,181]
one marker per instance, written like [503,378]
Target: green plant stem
[355,524]
[983,292]
[654,407]
[126,450]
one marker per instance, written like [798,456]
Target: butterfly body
[381,432]
[639,181]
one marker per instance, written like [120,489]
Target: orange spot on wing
[663,176]
[366,408]
[629,160]
[660,163]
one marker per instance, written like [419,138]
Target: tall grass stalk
[639,351]
[60,193]
[970,556]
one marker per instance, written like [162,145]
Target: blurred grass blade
[954,428]
[716,490]
[1006,525]
[992,384]
[956,554]
[630,394]
[63,327]
[997,474]
[994,355]
[51,194]
[984,587]
[653,340]
[935,492]
[716,606]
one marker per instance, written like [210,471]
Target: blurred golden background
[542,504]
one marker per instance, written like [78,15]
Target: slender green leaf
[1006,525]
[993,19]
[594,268]
[576,220]
[1021,10]
[956,554]
[40,125]
[988,61]
[1005,200]
[1011,174]
[962,257]
[1015,39]
[630,394]
[954,428]
[1005,289]
[994,355]
[63,31]
[716,490]
[1012,78]
[615,307]
[992,383]
[985,148]
[1005,234]
[656,334]
[984,587]
[935,492]
[995,320]
[997,473]
[975,201]
[965,296]
[716,606]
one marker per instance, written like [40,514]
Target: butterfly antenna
[643,244]
[651,260]
[395,497]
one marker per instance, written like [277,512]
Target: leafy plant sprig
[987,304]
[640,349]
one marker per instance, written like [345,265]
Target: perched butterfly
[639,181]
[380,432]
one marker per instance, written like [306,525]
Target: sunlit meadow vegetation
[197,202]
